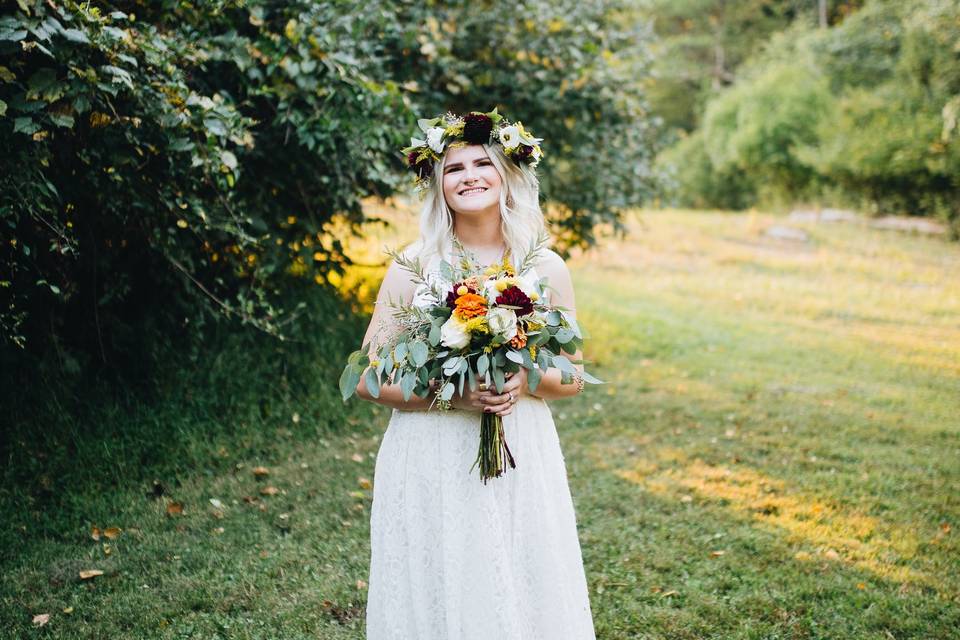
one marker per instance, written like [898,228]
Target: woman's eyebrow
[455,165]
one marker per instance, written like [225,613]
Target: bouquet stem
[494,454]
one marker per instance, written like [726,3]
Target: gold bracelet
[442,405]
[578,380]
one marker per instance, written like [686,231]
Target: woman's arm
[555,270]
[396,287]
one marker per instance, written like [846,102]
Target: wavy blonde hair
[521,220]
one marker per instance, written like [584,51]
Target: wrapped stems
[494,454]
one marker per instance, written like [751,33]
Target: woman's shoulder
[550,263]
[398,281]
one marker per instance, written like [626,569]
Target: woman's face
[471,183]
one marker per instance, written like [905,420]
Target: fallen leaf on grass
[106,549]
[269,490]
[111,533]
[717,553]
[95,533]
[250,499]
[861,585]
[365,483]
[261,472]
[175,509]
[357,457]
[667,594]
[361,584]
[216,503]
[41,619]
[68,610]
[90,573]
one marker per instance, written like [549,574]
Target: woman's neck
[480,233]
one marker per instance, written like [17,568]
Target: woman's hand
[502,403]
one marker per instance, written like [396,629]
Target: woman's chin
[474,205]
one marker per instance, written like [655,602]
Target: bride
[453,558]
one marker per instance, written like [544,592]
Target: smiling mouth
[471,191]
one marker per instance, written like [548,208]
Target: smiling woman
[451,557]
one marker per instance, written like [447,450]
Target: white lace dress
[455,559]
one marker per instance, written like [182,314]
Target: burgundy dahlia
[515,297]
[477,128]
[523,152]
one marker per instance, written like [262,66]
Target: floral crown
[450,129]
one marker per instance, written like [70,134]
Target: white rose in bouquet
[502,322]
[454,334]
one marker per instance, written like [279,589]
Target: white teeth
[474,190]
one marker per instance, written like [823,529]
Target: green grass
[777,455]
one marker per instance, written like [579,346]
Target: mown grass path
[777,455]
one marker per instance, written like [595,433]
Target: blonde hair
[521,220]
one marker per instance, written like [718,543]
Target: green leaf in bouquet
[434,336]
[589,378]
[564,335]
[407,382]
[400,352]
[498,378]
[452,365]
[533,379]
[461,379]
[471,379]
[554,318]
[372,382]
[388,363]
[515,356]
[570,347]
[564,364]
[527,359]
[349,380]
[447,391]
[446,271]
[419,352]
[423,377]
[483,363]
[544,359]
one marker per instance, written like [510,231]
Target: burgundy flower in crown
[474,128]
[477,128]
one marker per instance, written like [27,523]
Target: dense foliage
[162,160]
[864,112]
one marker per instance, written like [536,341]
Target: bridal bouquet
[480,324]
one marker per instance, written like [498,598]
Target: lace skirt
[454,559]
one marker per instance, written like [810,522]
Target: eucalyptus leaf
[533,379]
[447,392]
[407,382]
[372,382]
[483,363]
[564,364]
[419,353]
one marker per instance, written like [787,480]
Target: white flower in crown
[434,138]
[510,137]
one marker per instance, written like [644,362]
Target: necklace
[467,253]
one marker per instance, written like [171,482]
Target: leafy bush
[185,160]
[868,108]
[758,126]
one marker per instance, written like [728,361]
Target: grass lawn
[777,455]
